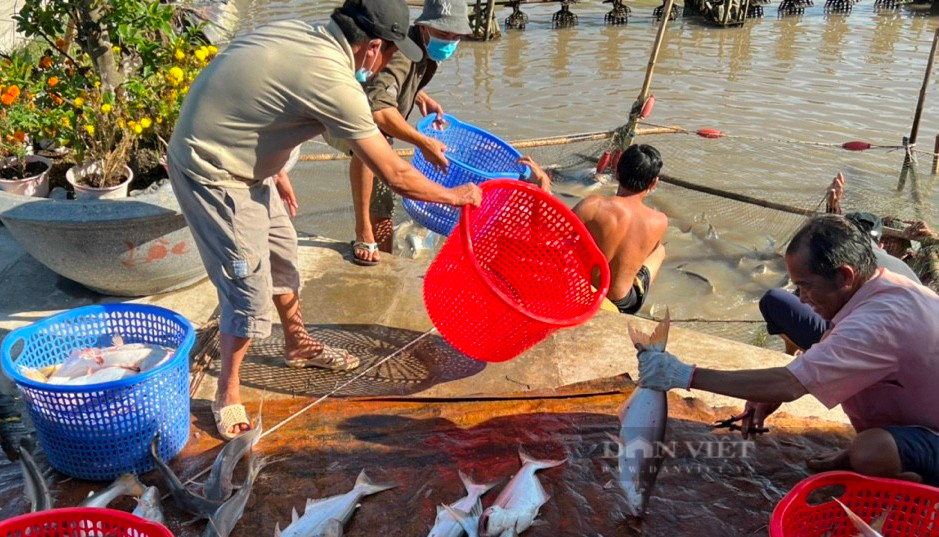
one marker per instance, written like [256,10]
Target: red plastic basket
[512,272]
[914,509]
[81,522]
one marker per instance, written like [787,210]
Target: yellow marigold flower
[213,50]
[106,108]
[116,49]
[137,129]
[132,123]
[185,90]
[200,54]
[175,75]
[90,129]
[120,123]
[66,122]
[97,83]
[146,122]
[179,55]
[78,102]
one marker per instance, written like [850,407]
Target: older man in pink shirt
[879,360]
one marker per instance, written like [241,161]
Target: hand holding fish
[661,370]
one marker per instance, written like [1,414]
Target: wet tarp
[420,444]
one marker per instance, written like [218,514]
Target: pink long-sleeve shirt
[880,358]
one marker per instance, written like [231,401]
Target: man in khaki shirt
[268,92]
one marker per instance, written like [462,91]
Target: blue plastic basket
[475,156]
[100,431]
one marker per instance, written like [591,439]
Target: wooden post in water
[621,142]
[490,15]
[914,130]
[935,156]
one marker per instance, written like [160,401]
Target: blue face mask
[362,74]
[441,49]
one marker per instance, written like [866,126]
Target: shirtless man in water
[628,232]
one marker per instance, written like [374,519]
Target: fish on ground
[34,483]
[184,498]
[518,503]
[223,521]
[126,485]
[642,429]
[469,522]
[446,525]
[318,513]
[149,506]
[867,530]
[218,486]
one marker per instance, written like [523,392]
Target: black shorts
[636,297]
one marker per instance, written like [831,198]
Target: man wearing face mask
[269,91]
[392,94]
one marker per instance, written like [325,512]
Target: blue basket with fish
[475,156]
[100,430]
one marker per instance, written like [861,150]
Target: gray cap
[446,16]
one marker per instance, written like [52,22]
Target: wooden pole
[935,156]
[626,140]
[914,130]
[490,14]
[520,144]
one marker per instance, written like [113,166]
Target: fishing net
[733,204]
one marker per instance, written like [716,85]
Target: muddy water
[818,78]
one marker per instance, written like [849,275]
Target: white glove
[662,371]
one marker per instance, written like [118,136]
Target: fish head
[655,341]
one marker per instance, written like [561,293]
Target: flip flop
[229,416]
[330,358]
[371,247]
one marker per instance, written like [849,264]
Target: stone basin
[130,247]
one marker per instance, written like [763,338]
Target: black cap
[385,19]
[868,223]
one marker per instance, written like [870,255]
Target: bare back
[627,232]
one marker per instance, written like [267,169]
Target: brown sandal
[329,358]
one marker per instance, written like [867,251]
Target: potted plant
[20,172]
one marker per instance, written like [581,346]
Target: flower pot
[36,186]
[82,191]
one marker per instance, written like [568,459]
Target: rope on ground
[323,397]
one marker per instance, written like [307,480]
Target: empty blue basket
[100,431]
[475,156]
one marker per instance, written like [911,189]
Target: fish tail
[477,489]
[367,486]
[660,334]
[863,527]
[539,464]
[468,521]
[132,485]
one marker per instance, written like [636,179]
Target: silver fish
[446,525]
[126,485]
[185,499]
[333,528]
[217,486]
[223,521]
[318,513]
[867,530]
[517,505]
[149,506]
[642,430]
[37,490]
[469,522]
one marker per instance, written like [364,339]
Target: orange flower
[14,91]
[7,99]
[45,62]
[60,43]
[56,98]
[53,81]
[19,136]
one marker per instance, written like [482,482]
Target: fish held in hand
[318,513]
[642,429]
[517,506]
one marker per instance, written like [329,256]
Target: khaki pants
[248,246]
